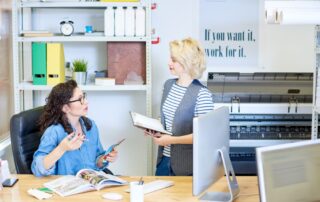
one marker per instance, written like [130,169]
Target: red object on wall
[153,6]
[156,41]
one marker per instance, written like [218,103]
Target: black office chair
[25,138]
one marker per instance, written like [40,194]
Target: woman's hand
[69,143]
[112,156]
[72,142]
[151,133]
[163,140]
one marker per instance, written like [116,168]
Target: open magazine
[145,122]
[85,180]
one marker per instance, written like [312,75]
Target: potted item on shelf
[80,71]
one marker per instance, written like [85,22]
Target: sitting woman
[70,141]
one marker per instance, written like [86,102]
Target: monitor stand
[231,180]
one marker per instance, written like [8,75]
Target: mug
[136,192]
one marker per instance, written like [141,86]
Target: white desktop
[211,155]
[289,172]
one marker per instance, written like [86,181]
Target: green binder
[39,63]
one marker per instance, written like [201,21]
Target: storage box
[125,57]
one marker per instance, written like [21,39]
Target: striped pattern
[204,104]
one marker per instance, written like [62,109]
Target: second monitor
[211,155]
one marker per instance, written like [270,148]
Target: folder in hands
[145,122]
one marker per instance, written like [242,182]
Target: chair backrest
[25,138]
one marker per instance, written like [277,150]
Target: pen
[141,181]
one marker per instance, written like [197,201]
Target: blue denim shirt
[71,161]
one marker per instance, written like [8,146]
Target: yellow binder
[55,63]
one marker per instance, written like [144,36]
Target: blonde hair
[190,55]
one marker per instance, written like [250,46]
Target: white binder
[140,21]
[129,21]
[109,21]
[119,21]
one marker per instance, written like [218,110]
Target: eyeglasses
[81,100]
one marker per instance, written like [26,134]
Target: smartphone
[9,182]
[113,146]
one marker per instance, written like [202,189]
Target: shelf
[80,39]
[317,109]
[259,143]
[77,4]
[90,87]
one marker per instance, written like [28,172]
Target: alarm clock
[66,28]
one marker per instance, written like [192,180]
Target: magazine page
[92,176]
[69,185]
[100,179]
[145,122]
[111,180]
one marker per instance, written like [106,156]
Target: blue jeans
[164,167]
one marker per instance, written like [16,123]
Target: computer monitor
[211,155]
[289,172]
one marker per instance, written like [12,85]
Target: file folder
[55,63]
[39,63]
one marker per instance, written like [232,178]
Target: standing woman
[183,99]
[70,141]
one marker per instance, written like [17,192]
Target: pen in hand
[141,181]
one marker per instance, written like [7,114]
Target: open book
[85,180]
[145,122]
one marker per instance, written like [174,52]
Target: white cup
[136,192]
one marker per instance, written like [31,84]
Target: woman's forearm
[53,157]
[184,139]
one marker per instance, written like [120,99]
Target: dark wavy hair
[53,114]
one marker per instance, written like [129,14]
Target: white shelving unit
[49,4]
[80,39]
[28,86]
[27,95]
[316,85]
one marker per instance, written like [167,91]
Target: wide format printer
[265,109]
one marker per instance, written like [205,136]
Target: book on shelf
[145,122]
[85,180]
[36,33]
[99,81]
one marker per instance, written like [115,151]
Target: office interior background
[278,49]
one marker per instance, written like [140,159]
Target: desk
[181,191]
